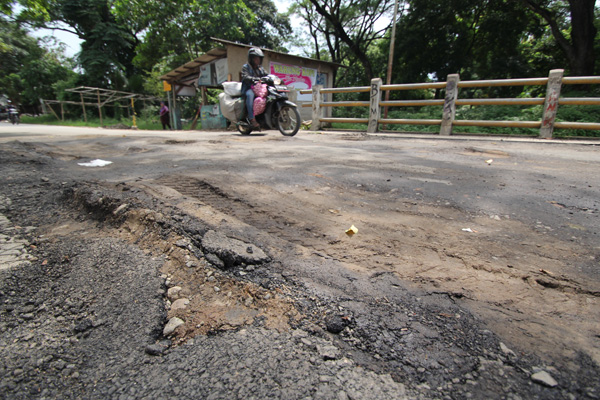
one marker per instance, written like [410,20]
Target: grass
[143,124]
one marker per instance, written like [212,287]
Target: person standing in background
[164,115]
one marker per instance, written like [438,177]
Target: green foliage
[469,37]
[108,48]
[71,81]
[577,114]
[150,113]
[268,28]
[6,7]
[152,84]
[181,30]
[28,72]
[348,30]
[33,9]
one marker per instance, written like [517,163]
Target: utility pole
[391,58]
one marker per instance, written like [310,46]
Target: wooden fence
[546,124]
[98,98]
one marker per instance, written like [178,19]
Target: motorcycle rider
[252,72]
[13,114]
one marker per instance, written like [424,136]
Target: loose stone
[334,323]
[173,324]
[544,378]
[173,293]
[155,349]
[179,304]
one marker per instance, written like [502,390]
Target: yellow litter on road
[352,231]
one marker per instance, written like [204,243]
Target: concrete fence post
[551,104]
[449,104]
[316,108]
[374,108]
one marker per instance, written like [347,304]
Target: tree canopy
[182,29]
[573,27]
[123,41]
[489,38]
[28,68]
[349,28]
[470,37]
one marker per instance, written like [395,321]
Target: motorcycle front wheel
[288,120]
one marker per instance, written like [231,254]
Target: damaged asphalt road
[242,240]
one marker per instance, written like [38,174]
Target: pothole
[206,273]
[486,152]
[175,141]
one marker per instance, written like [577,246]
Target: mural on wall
[211,117]
[294,77]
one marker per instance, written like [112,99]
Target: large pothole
[206,272]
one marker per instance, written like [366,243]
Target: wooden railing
[546,124]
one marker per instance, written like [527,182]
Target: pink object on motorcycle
[260,103]
[260,90]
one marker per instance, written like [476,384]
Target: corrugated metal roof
[194,66]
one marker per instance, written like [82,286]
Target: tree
[268,28]
[351,23]
[28,71]
[471,37]
[181,29]
[579,49]
[108,48]
[37,8]
[326,45]
[317,28]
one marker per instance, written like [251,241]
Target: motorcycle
[13,116]
[280,113]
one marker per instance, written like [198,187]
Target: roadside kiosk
[224,63]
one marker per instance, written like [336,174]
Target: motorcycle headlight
[276,80]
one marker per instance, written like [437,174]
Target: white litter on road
[95,163]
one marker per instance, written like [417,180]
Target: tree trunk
[583,33]
[339,30]
[580,49]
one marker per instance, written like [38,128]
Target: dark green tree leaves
[28,72]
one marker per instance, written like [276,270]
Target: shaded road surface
[473,274]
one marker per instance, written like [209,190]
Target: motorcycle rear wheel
[244,129]
[288,120]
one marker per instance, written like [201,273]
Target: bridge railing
[546,124]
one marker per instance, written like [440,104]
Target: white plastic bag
[233,89]
[231,108]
